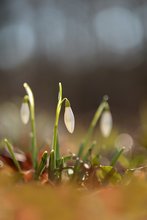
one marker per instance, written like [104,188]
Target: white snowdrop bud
[25,112]
[69,119]
[106,123]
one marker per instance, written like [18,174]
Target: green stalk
[55,145]
[10,149]
[33,126]
[104,105]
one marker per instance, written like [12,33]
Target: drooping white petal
[20,157]
[25,112]
[106,123]
[29,93]
[69,119]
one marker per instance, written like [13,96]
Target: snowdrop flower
[106,123]
[25,112]
[69,119]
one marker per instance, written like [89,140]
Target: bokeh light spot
[118,29]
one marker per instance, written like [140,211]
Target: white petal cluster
[69,119]
[106,123]
[25,112]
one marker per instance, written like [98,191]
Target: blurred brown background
[93,47]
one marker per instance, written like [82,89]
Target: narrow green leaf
[116,157]
[52,166]
[10,149]
[42,164]
[88,154]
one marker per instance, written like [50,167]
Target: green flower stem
[100,109]
[33,126]
[55,145]
[10,149]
